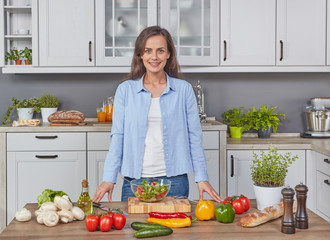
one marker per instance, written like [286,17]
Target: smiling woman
[156,130]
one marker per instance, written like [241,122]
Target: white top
[153,159]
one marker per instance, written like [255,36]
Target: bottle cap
[84,183]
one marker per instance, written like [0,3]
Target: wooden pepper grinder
[301,214]
[288,226]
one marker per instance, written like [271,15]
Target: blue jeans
[179,187]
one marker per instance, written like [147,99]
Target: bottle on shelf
[84,201]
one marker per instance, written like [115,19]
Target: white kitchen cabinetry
[98,145]
[36,161]
[248,32]
[301,32]
[66,33]
[118,23]
[239,179]
[328,32]
[20,29]
[194,26]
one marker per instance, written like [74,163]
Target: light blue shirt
[182,132]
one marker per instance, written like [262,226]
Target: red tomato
[160,195]
[106,223]
[92,222]
[246,202]
[110,214]
[119,221]
[139,189]
[152,184]
[238,206]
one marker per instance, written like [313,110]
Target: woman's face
[155,54]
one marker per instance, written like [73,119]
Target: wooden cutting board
[168,204]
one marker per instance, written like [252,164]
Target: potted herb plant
[263,120]
[237,121]
[48,104]
[15,55]
[27,54]
[25,109]
[268,172]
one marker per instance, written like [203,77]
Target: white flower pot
[45,112]
[267,196]
[25,113]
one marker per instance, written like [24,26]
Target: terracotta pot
[26,62]
[18,62]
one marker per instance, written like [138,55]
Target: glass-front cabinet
[118,23]
[19,34]
[194,26]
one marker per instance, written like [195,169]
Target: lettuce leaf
[48,195]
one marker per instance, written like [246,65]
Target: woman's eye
[147,51]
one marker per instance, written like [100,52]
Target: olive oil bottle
[84,201]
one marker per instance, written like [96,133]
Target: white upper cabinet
[66,33]
[301,32]
[328,32]
[194,26]
[247,32]
[118,23]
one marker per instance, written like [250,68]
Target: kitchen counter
[318,229]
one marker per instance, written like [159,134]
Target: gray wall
[84,92]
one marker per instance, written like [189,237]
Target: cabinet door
[328,32]
[29,173]
[66,32]
[247,32]
[118,23]
[194,26]
[301,32]
[95,175]
[239,172]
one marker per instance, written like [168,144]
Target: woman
[156,130]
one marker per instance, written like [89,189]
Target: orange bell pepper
[205,210]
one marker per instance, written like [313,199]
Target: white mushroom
[62,203]
[66,215]
[48,206]
[23,215]
[78,213]
[37,212]
[50,218]
[40,217]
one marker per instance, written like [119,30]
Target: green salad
[151,192]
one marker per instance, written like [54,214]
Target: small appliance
[200,101]
[317,116]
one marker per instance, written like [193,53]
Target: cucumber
[156,232]
[142,225]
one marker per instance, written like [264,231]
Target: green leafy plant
[48,101]
[27,53]
[263,118]
[270,169]
[25,103]
[13,54]
[236,118]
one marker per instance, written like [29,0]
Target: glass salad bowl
[150,190]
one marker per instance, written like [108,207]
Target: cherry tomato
[152,184]
[246,202]
[119,221]
[106,223]
[92,222]
[110,214]
[238,206]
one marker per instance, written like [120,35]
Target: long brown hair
[138,68]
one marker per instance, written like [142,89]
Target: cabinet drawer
[99,141]
[323,164]
[323,193]
[210,139]
[46,141]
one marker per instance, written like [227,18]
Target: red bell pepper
[163,215]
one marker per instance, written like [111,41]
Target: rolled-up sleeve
[195,137]
[115,154]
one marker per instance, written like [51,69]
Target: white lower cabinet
[239,179]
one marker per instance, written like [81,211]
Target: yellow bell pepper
[205,210]
[172,222]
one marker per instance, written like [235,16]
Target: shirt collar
[170,84]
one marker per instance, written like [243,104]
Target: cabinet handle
[327,182]
[90,50]
[46,137]
[46,156]
[281,43]
[224,50]
[326,160]
[232,165]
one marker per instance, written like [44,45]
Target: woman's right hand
[102,189]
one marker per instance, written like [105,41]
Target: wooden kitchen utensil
[168,204]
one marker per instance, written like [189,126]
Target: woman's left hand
[205,186]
